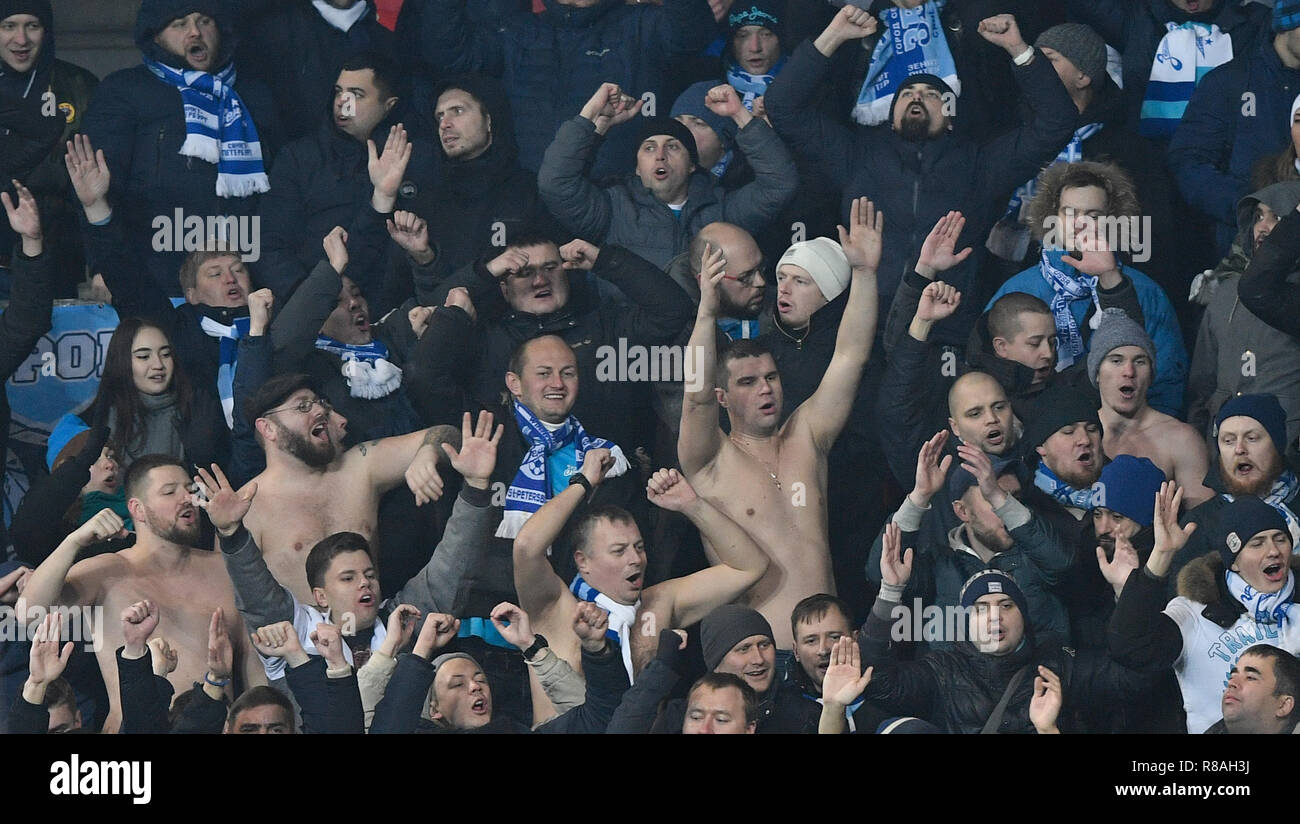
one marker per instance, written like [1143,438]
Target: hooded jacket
[629,214]
[1237,353]
[139,122]
[1200,634]
[1267,287]
[289,47]
[916,183]
[1220,138]
[551,62]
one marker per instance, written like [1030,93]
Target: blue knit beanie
[1128,485]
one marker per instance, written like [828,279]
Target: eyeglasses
[303,407]
[747,278]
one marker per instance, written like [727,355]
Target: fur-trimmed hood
[1202,581]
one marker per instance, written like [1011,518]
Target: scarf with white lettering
[218,128]
[228,359]
[1046,480]
[1186,53]
[622,617]
[369,373]
[1067,288]
[1264,607]
[912,43]
[531,488]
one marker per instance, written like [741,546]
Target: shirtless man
[611,559]
[1121,364]
[771,479]
[187,585]
[311,487]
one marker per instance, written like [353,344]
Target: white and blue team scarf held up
[218,128]
[369,373]
[622,617]
[913,43]
[1264,607]
[1067,288]
[1046,480]
[1187,53]
[227,361]
[531,487]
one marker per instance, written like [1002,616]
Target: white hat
[824,260]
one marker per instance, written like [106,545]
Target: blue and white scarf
[622,617]
[1072,153]
[228,359]
[1264,607]
[369,373]
[752,86]
[1283,490]
[1187,53]
[218,128]
[914,43]
[1046,480]
[738,329]
[531,488]
[1067,288]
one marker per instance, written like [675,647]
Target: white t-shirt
[1210,652]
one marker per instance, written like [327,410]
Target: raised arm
[658,309]
[46,663]
[791,99]
[540,589]
[756,204]
[562,180]
[826,412]
[32,300]
[298,323]
[1141,636]
[468,531]
[701,437]
[741,562]
[413,457]
[56,582]
[448,40]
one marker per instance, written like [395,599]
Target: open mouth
[197,52]
[757,674]
[661,173]
[784,306]
[993,437]
[366,600]
[1243,468]
[1127,391]
[479,706]
[21,56]
[1275,571]
[541,294]
[361,322]
[768,408]
[321,431]
[1085,458]
[634,580]
[187,515]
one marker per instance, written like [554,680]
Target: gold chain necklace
[765,464]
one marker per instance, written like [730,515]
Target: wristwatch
[539,644]
[579,479]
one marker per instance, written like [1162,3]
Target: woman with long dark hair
[147,402]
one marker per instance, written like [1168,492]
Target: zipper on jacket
[158,151]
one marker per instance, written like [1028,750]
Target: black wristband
[539,643]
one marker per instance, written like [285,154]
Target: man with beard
[1062,445]
[1231,334]
[1122,365]
[183,131]
[312,487]
[767,476]
[1250,447]
[917,167]
[163,566]
[995,530]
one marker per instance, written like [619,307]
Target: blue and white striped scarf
[1186,53]
[1067,288]
[751,86]
[1264,607]
[228,359]
[913,43]
[1072,153]
[1046,480]
[622,617]
[369,373]
[531,488]
[218,128]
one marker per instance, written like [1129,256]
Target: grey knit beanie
[1116,329]
[1080,45]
